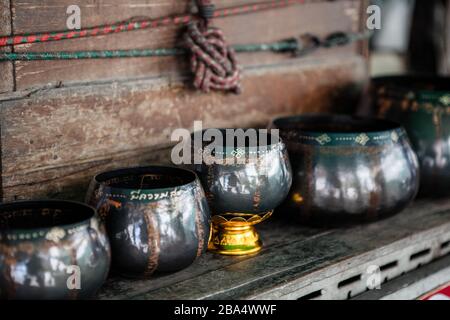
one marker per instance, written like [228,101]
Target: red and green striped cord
[290,45]
[144,24]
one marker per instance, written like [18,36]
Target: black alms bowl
[51,250]
[422,105]
[348,169]
[251,179]
[157,218]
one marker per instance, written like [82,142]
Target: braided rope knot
[213,62]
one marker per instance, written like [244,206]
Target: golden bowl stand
[234,234]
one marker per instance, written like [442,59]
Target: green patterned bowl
[422,105]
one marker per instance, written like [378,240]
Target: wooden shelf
[299,262]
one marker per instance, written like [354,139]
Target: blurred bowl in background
[422,105]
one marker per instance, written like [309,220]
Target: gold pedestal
[235,234]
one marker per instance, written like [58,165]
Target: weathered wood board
[54,140]
[50,15]
[6,68]
[300,262]
[68,120]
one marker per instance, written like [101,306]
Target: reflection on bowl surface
[51,250]
[422,105]
[157,218]
[347,169]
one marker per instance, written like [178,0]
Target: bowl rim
[40,232]
[411,77]
[192,181]
[227,150]
[407,87]
[392,132]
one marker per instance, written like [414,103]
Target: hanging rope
[212,61]
[301,46]
[145,24]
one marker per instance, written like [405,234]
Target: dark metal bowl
[255,186]
[422,105]
[157,218]
[51,250]
[244,181]
[347,169]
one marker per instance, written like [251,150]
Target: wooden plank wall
[71,119]
[78,131]
[6,68]
[40,16]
